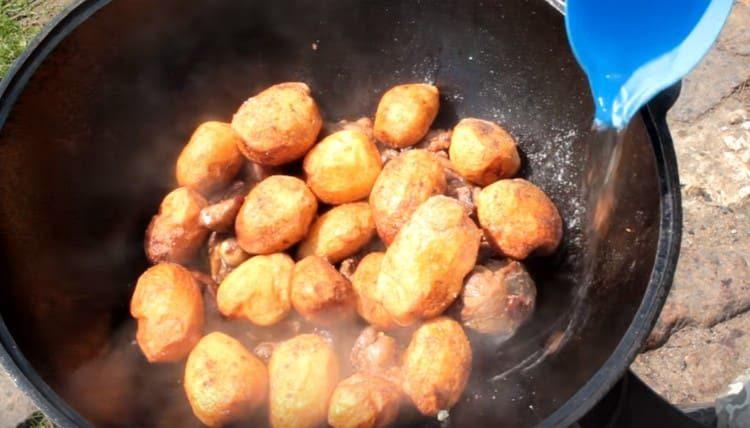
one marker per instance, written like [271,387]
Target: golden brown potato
[483,152]
[343,167]
[211,159]
[276,214]
[423,270]
[374,352]
[320,293]
[406,182]
[436,366]
[364,401]
[175,234]
[519,219]
[364,281]
[339,233]
[303,373]
[258,290]
[497,298]
[168,305]
[279,125]
[224,382]
[405,114]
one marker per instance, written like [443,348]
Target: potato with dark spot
[364,281]
[483,152]
[168,305]
[436,366]
[364,401]
[339,233]
[211,159]
[175,233]
[258,290]
[276,214]
[279,125]
[406,182]
[343,167]
[519,219]
[224,382]
[374,352]
[423,270]
[320,293]
[405,114]
[303,372]
[497,298]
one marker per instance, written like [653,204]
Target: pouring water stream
[630,51]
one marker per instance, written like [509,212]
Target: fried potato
[423,270]
[406,182]
[374,352]
[320,293]
[343,167]
[519,219]
[211,159]
[483,152]
[258,290]
[339,233]
[276,214]
[436,366]
[405,114]
[303,373]
[279,125]
[364,401]
[168,305]
[497,298]
[224,382]
[175,233]
[364,281]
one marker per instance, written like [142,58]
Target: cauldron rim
[670,211]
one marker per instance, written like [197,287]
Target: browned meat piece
[374,352]
[497,298]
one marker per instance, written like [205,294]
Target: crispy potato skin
[339,233]
[364,281]
[303,373]
[320,293]
[276,214]
[406,182]
[224,382]
[436,366]
[279,125]
[423,270]
[258,290]
[211,159]
[168,305]
[483,152]
[343,167]
[497,298]
[364,401]
[519,219]
[175,233]
[405,113]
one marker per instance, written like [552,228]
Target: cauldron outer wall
[87,151]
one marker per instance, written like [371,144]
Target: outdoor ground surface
[702,339]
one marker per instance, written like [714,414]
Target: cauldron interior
[88,151]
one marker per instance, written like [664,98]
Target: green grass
[18,25]
[36,420]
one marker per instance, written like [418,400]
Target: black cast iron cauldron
[93,116]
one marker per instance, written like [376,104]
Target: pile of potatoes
[405,234]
